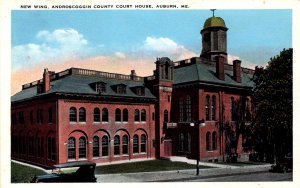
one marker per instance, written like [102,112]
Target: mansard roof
[79,81]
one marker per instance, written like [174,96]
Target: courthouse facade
[80,114]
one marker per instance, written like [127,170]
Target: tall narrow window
[31,116]
[136,115]
[181,142]
[188,108]
[51,148]
[21,117]
[125,145]
[39,146]
[49,115]
[189,142]
[180,110]
[143,143]
[208,144]
[143,115]
[96,115]
[82,147]
[207,104]
[96,146]
[72,114]
[104,115]
[71,148]
[105,146]
[213,108]
[14,119]
[135,144]
[232,108]
[153,116]
[166,116]
[125,115]
[214,140]
[117,145]
[118,115]
[82,114]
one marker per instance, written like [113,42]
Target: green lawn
[21,173]
[144,166]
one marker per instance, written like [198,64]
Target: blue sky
[113,39]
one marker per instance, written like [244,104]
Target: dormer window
[119,88]
[139,90]
[99,87]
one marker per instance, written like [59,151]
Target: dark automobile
[85,173]
[283,165]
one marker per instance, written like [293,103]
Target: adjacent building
[80,114]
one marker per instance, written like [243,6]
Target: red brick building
[90,115]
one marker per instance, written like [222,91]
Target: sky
[122,40]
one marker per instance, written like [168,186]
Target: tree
[273,107]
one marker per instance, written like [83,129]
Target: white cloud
[120,55]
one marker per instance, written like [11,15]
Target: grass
[22,174]
[144,166]
[245,163]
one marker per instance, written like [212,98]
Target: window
[121,89]
[105,146]
[118,115]
[39,116]
[181,142]
[71,148]
[31,116]
[125,145]
[72,114]
[96,146]
[135,144]
[143,115]
[169,98]
[21,117]
[166,116]
[188,108]
[30,144]
[49,115]
[125,115]
[180,110]
[96,115]
[82,147]
[153,116]
[143,143]
[140,91]
[207,104]
[213,108]
[51,148]
[82,115]
[40,147]
[14,118]
[136,115]
[100,87]
[214,140]
[232,108]
[105,115]
[208,148]
[189,144]
[117,145]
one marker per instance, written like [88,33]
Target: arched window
[166,116]
[72,114]
[143,143]
[82,115]
[51,148]
[135,144]
[213,108]
[181,142]
[71,148]
[180,110]
[207,104]
[143,115]
[104,115]
[118,115]
[125,145]
[40,147]
[117,145]
[136,115]
[82,147]
[188,108]
[214,140]
[105,145]
[125,115]
[96,115]
[208,148]
[96,146]
[189,142]
[232,108]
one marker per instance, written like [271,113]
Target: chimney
[237,70]
[132,75]
[220,67]
[46,81]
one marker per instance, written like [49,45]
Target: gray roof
[80,84]
[206,73]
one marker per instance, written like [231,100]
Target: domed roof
[214,22]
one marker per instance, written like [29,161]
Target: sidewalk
[183,175]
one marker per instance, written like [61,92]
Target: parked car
[85,172]
[283,165]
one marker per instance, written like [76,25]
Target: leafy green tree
[273,107]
